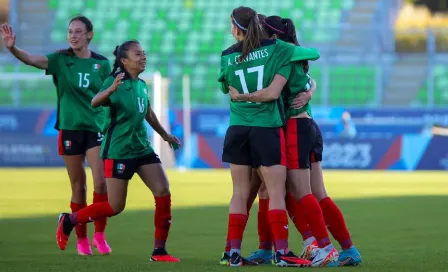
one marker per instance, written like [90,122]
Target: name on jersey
[256,55]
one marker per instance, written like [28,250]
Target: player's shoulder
[238,47]
[235,48]
[141,80]
[95,55]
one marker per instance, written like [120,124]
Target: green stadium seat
[186,37]
[440,88]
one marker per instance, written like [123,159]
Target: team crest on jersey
[96,67]
[145,91]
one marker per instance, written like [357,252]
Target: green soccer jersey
[126,136]
[298,82]
[77,81]
[254,73]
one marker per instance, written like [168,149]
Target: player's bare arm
[304,97]
[272,92]
[102,97]
[152,120]
[9,39]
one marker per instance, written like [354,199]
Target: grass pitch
[397,220]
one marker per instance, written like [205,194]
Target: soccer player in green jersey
[304,147]
[255,136]
[78,74]
[126,150]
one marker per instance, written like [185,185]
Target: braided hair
[121,51]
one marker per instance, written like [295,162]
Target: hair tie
[273,28]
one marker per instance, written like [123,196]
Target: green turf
[397,225]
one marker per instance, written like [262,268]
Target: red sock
[100,224]
[264,229]
[81,229]
[237,224]
[227,248]
[315,219]
[279,226]
[301,226]
[92,212]
[336,223]
[301,222]
[162,220]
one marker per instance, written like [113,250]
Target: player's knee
[263,193]
[118,207]
[320,194]
[79,189]
[277,197]
[161,191]
[241,197]
[99,186]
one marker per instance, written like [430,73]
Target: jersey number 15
[84,80]
[260,72]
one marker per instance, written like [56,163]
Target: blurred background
[382,78]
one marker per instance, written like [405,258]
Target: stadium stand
[186,37]
[440,87]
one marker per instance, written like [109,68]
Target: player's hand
[234,94]
[301,99]
[8,37]
[171,139]
[117,82]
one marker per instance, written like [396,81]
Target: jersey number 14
[260,72]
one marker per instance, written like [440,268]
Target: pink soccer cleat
[84,248]
[100,243]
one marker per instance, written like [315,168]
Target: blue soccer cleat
[261,256]
[349,257]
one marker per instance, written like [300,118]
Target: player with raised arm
[255,136]
[126,150]
[78,74]
[304,145]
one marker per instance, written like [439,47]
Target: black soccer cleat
[236,260]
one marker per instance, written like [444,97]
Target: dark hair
[290,31]
[83,19]
[274,25]
[285,29]
[120,52]
[291,37]
[246,20]
[261,17]
[89,28]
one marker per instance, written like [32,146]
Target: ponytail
[248,21]
[290,31]
[252,38]
[117,67]
[291,37]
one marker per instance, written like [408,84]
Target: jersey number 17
[257,69]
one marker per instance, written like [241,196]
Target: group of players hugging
[273,145]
